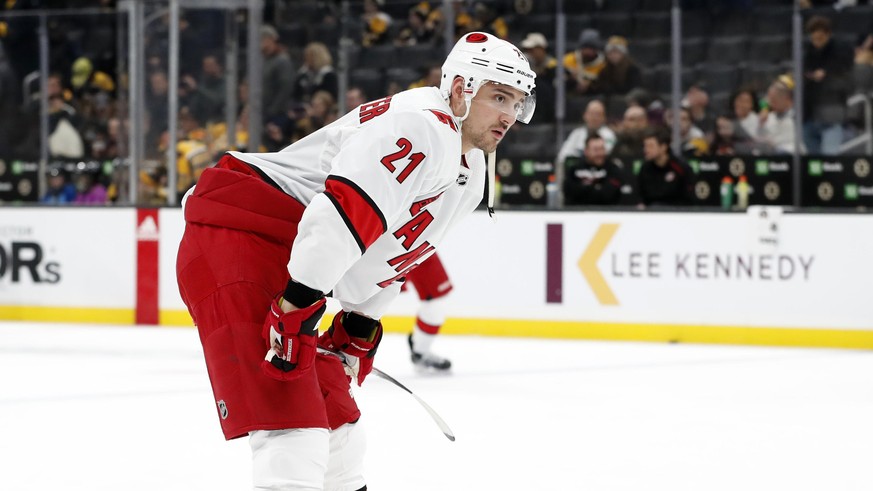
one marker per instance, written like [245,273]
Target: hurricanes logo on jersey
[445,119]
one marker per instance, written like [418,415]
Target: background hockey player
[349,211]
[432,284]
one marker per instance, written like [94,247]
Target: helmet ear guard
[478,58]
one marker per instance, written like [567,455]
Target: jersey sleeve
[375,306]
[373,179]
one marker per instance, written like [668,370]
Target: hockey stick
[433,414]
[444,427]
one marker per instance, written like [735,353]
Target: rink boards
[760,277]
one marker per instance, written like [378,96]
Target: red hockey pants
[232,262]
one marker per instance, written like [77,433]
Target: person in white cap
[536,47]
[348,211]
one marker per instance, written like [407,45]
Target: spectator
[63,123]
[729,138]
[629,141]
[376,24]
[826,66]
[697,101]
[278,78]
[544,65]
[418,29]
[863,68]
[192,158]
[694,143]
[744,104]
[393,88]
[463,17]
[87,80]
[59,191]
[96,111]
[276,135]
[102,147]
[355,96]
[207,95]
[621,73]
[65,140]
[153,186]
[585,63]
[431,78]
[664,179]
[156,106]
[193,43]
[595,122]
[593,180]
[114,134]
[320,112]
[776,128]
[89,188]
[485,18]
[316,73]
[649,102]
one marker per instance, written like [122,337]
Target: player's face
[494,112]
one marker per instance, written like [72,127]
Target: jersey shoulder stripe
[357,209]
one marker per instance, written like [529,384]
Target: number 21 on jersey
[396,159]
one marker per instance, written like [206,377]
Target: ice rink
[107,408]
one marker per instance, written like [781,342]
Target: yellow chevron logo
[588,263]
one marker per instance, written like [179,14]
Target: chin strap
[468,101]
[492,169]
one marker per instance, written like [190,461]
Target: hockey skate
[428,362]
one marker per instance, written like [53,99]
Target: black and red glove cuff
[300,295]
[353,334]
[356,325]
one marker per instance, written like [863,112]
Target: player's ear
[457,94]
[458,87]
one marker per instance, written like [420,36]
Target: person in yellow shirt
[376,23]
[584,64]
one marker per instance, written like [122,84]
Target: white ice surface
[107,408]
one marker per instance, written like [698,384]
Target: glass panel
[610,60]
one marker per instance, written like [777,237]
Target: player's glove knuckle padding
[354,335]
[296,332]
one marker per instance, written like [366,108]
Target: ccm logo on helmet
[477,37]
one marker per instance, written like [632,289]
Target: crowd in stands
[738,84]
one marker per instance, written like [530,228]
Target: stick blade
[444,427]
[436,417]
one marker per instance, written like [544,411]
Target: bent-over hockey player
[347,211]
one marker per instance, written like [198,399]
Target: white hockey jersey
[382,185]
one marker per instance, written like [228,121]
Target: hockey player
[348,211]
[432,285]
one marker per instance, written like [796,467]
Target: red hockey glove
[291,338]
[357,337]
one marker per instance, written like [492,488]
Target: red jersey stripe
[360,213]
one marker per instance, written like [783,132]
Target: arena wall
[762,277]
